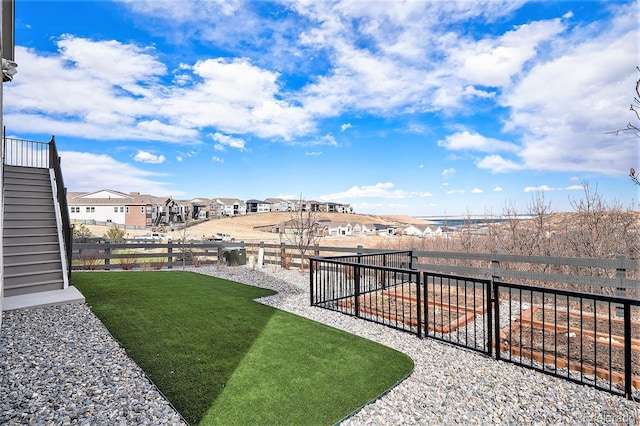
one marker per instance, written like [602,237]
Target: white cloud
[455,191]
[494,62]
[217,159]
[497,164]
[233,96]
[224,141]
[477,191]
[147,157]
[498,189]
[541,188]
[589,76]
[575,188]
[379,190]
[448,172]
[90,172]
[313,153]
[345,126]
[182,155]
[475,142]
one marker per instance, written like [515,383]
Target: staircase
[31,242]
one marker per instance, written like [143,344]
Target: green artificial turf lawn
[222,358]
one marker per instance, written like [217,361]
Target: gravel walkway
[59,365]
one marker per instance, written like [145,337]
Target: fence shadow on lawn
[215,352]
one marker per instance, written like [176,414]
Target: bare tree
[635,107]
[303,230]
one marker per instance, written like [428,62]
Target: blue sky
[421,108]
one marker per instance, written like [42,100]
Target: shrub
[90,259]
[114,233]
[81,231]
[128,261]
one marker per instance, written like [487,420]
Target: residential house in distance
[421,230]
[257,206]
[381,229]
[335,208]
[167,211]
[231,206]
[361,229]
[201,208]
[280,205]
[111,206]
[337,228]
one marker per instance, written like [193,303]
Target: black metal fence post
[356,291]
[418,305]
[627,350]
[311,268]
[495,290]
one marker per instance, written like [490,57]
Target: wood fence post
[107,252]
[261,255]
[169,255]
[495,266]
[621,274]
[282,255]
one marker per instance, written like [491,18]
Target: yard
[222,358]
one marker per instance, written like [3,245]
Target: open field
[242,227]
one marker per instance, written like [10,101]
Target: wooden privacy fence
[132,254]
[619,276]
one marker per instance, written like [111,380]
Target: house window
[115,210]
[142,210]
[127,209]
[91,210]
[121,209]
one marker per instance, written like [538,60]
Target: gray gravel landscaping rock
[59,365]
[449,385]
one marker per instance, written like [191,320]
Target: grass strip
[222,358]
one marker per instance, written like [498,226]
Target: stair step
[24,183]
[18,240]
[30,224]
[8,256]
[22,248]
[34,287]
[18,178]
[10,214]
[32,268]
[45,232]
[20,279]
[30,203]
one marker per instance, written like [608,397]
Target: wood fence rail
[613,275]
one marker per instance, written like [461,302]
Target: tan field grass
[242,228]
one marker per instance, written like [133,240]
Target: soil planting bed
[567,340]
[444,316]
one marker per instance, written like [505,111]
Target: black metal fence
[587,338]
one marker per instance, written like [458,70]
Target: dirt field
[242,228]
